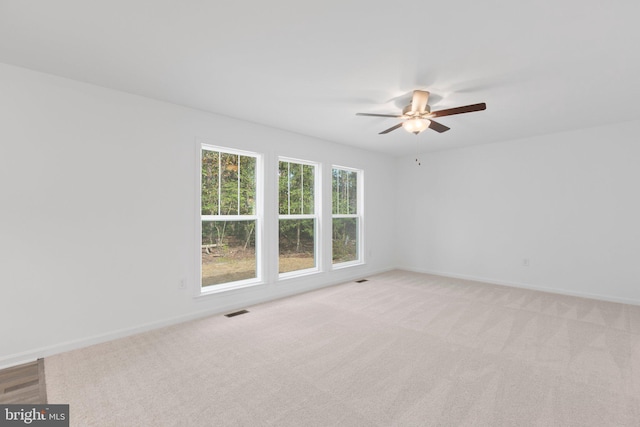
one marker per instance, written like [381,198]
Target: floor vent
[237,313]
[361,280]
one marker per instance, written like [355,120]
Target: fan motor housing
[406,111]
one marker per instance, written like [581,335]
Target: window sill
[216,289]
[347,264]
[298,273]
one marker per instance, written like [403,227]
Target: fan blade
[458,110]
[419,101]
[378,115]
[390,129]
[438,127]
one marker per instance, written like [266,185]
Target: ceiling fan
[417,116]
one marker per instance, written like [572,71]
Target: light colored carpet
[403,349]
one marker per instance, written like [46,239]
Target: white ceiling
[308,67]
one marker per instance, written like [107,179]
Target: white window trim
[360,215]
[199,290]
[317,206]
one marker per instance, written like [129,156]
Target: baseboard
[524,286]
[35,354]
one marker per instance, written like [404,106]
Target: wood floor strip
[20,385]
[42,392]
[25,395]
[17,372]
[23,384]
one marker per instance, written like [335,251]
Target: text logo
[34,415]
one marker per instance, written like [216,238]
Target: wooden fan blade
[459,110]
[391,129]
[378,115]
[438,127]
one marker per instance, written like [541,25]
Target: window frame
[258,217]
[359,216]
[316,216]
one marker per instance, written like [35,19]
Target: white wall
[569,202]
[97,212]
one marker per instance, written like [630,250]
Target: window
[347,216]
[229,218]
[298,222]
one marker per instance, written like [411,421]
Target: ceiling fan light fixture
[415,125]
[415,116]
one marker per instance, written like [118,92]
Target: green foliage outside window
[228,184]
[345,192]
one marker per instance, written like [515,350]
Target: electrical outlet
[182,284]
[525,262]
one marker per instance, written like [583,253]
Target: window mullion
[288,188]
[219,181]
[229,217]
[348,191]
[298,216]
